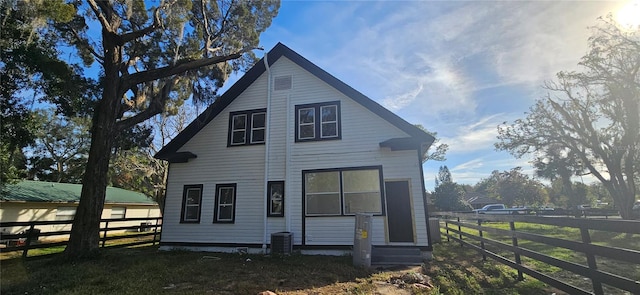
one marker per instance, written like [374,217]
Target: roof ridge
[258,69]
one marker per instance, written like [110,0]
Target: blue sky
[458,68]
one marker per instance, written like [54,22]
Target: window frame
[342,192]
[124,212]
[248,127]
[185,192]
[217,203]
[66,216]
[270,212]
[318,122]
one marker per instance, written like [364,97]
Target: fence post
[27,243]
[484,256]
[514,241]
[591,261]
[104,236]
[155,232]
[460,232]
[446,226]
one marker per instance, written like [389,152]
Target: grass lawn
[145,270]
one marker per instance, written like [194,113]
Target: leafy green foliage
[590,120]
[513,188]
[448,195]
[30,68]
[437,150]
[61,148]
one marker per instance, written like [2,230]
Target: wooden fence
[470,230]
[33,238]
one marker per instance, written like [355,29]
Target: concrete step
[396,256]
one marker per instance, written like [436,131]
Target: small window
[65,213]
[276,198]
[238,129]
[319,121]
[257,127]
[225,203]
[191,203]
[343,191]
[118,212]
[307,123]
[328,121]
[247,127]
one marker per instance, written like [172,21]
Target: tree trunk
[85,231]
[625,204]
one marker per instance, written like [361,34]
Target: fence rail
[470,230]
[30,239]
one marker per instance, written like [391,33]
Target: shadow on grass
[146,270]
[461,270]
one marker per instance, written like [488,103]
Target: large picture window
[319,121]
[225,207]
[191,203]
[343,191]
[247,127]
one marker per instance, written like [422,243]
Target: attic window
[318,121]
[247,127]
[282,83]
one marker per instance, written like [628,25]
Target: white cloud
[420,56]
[475,136]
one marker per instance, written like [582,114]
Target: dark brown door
[399,218]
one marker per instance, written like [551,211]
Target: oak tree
[590,119]
[149,58]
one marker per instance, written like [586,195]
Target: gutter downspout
[287,167]
[266,154]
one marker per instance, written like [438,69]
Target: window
[275,198]
[247,127]
[320,121]
[225,203]
[65,213]
[343,191]
[118,212]
[191,203]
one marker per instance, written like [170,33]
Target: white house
[290,148]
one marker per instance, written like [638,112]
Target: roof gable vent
[282,83]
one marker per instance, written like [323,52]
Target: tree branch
[156,106]
[171,70]
[86,44]
[137,34]
[103,20]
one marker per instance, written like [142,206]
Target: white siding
[362,131]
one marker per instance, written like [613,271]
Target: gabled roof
[42,191]
[479,198]
[280,50]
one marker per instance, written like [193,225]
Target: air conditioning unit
[282,243]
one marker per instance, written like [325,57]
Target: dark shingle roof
[169,150]
[42,191]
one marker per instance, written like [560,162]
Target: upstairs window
[247,127]
[320,121]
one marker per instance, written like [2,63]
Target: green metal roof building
[42,191]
